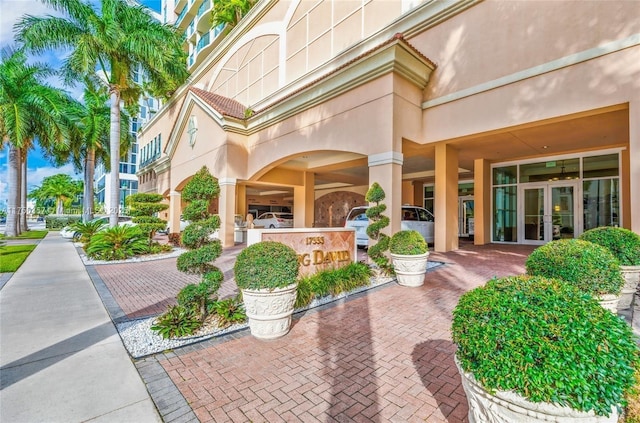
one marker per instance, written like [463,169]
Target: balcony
[203,42]
[206,5]
[181,16]
[149,160]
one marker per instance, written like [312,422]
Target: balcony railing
[206,4]
[217,30]
[203,41]
[181,15]
[149,160]
[191,59]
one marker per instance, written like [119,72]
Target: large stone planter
[410,269]
[609,302]
[269,312]
[631,275]
[510,407]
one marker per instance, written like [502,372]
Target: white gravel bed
[148,257]
[141,341]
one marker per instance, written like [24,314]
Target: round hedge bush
[408,242]
[266,265]
[589,267]
[622,243]
[547,341]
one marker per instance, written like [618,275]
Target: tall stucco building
[514,121]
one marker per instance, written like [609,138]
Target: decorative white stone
[410,269]
[609,302]
[269,312]
[510,407]
[631,275]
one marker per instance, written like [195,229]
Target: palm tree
[90,142]
[230,12]
[29,109]
[59,187]
[118,40]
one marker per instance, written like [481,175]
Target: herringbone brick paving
[383,356]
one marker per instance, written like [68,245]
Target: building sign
[317,248]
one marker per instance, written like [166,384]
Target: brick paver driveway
[385,355]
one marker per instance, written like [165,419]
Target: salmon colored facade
[513,121]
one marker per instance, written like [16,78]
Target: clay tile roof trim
[223,105]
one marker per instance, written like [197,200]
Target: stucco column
[241,200]
[446,198]
[175,209]
[226,210]
[482,202]
[634,165]
[303,202]
[408,193]
[386,170]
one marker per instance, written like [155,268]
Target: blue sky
[38,168]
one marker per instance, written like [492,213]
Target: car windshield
[358,214]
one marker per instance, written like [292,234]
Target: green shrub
[229,311]
[547,341]
[117,243]
[144,208]
[266,265]
[59,221]
[589,267]
[87,230]
[332,282]
[622,243]
[199,296]
[379,221]
[176,322]
[408,242]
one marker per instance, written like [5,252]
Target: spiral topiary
[143,206]
[198,238]
[378,222]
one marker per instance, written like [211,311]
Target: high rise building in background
[130,163]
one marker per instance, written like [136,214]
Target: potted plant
[589,267]
[409,253]
[532,349]
[625,246]
[267,273]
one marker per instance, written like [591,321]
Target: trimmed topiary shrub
[622,243]
[378,222]
[547,341]
[266,265]
[589,267]
[408,243]
[144,207]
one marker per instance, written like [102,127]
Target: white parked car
[272,220]
[413,218]
[68,232]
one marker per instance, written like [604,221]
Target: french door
[548,211]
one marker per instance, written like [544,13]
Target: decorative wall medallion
[192,130]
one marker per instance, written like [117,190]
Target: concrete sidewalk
[61,357]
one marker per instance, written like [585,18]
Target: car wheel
[76,236]
[272,226]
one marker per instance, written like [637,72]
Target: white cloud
[12,11]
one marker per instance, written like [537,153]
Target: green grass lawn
[12,256]
[30,235]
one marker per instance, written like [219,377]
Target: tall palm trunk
[13,201]
[89,170]
[23,192]
[114,144]
[59,206]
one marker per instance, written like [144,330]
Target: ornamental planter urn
[631,275]
[267,273]
[269,311]
[409,254]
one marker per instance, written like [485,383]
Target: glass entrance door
[548,212]
[465,216]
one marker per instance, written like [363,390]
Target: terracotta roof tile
[223,105]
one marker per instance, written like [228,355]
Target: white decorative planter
[510,407]
[269,312]
[631,275]
[410,270]
[610,302]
